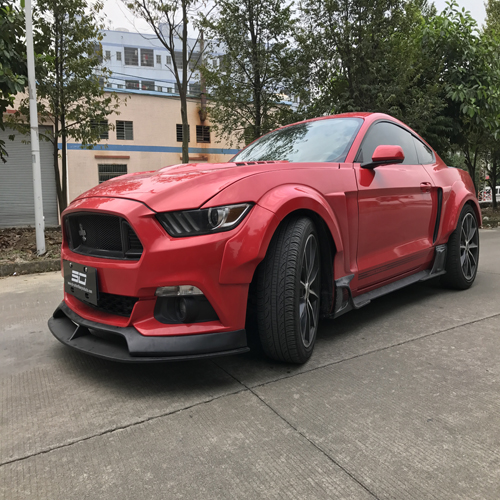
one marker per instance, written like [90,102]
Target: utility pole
[35,143]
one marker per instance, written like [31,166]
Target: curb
[41,266]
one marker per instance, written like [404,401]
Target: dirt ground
[19,245]
[491,218]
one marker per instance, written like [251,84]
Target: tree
[365,55]
[70,80]
[493,158]
[169,19]
[13,71]
[247,84]
[468,63]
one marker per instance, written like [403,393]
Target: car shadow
[233,373]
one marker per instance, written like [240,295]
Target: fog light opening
[181,308]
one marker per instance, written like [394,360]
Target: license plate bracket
[81,281]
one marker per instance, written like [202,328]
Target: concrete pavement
[399,401]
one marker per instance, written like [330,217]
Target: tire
[463,252]
[288,292]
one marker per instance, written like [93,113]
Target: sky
[118,16]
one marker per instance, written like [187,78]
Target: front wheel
[463,252]
[288,292]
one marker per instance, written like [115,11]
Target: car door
[395,209]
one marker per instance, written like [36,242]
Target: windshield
[317,141]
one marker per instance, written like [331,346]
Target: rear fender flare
[456,200]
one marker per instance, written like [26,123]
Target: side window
[424,153]
[387,134]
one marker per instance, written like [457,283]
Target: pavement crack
[116,429]
[300,433]
[380,349]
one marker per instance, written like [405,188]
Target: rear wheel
[288,291]
[463,252]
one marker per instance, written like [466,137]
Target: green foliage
[247,88]
[468,64]
[13,72]
[365,55]
[68,72]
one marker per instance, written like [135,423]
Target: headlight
[203,221]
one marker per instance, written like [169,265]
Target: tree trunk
[471,166]
[60,196]
[494,181]
[256,74]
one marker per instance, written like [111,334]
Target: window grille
[131,56]
[158,59]
[132,84]
[178,59]
[107,172]
[169,59]
[124,130]
[195,60]
[147,85]
[147,57]
[118,56]
[102,128]
[195,89]
[202,133]
[179,132]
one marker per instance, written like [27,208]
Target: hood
[179,187]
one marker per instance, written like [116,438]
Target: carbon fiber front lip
[77,332]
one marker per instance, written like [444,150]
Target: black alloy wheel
[463,252]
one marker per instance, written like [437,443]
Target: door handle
[425,187]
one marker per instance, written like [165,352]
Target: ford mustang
[310,221]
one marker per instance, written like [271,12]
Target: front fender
[248,247]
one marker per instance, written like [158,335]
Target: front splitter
[127,345]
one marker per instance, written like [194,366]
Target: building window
[101,127]
[124,131]
[131,56]
[108,55]
[178,59]
[118,56]
[147,85]
[169,90]
[132,84]
[195,89]
[147,57]
[179,132]
[169,60]
[194,61]
[202,133]
[107,172]
[158,59]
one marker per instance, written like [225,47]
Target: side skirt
[345,302]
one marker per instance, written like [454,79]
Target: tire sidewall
[454,268]
[304,351]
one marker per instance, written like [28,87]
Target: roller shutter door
[16,183]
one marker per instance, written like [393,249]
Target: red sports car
[312,220]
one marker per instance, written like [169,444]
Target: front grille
[102,236]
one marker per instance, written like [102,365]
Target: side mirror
[385,155]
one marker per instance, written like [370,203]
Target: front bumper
[126,344]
